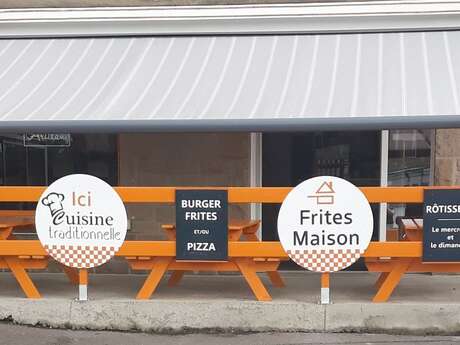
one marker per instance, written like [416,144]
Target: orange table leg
[391,281]
[276,279]
[159,267]
[175,278]
[22,277]
[381,279]
[5,232]
[71,273]
[248,271]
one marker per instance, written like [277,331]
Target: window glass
[290,158]
[409,164]
[24,165]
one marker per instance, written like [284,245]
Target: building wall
[447,157]
[180,159]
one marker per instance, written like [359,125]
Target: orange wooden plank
[236,249]
[21,248]
[415,266]
[229,266]
[394,249]
[27,263]
[434,267]
[392,235]
[202,266]
[247,225]
[147,194]
[168,248]
[144,248]
[17,213]
[234,229]
[235,194]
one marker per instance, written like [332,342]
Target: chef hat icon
[54,202]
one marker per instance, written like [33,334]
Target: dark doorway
[290,158]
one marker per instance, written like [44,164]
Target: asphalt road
[23,335]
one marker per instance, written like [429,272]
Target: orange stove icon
[324,194]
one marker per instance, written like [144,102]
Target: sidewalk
[421,304]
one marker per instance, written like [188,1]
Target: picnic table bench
[395,259]
[248,265]
[163,252]
[12,224]
[18,264]
[411,228]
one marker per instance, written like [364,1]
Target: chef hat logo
[54,202]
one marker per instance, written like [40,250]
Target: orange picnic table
[13,223]
[247,266]
[392,263]
[391,259]
[411,228]
[236,228]
[19,264]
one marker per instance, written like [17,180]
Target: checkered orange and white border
[81,256]
[322,260]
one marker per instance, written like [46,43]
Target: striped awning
[268,82]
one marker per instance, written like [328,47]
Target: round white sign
[81,221]
[325,224]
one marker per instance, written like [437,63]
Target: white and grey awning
[267,82]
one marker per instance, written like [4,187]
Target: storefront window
[290,158]
[43,163]
[409,164]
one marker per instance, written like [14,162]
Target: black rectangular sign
[46,139]
[441,225]
[202,225]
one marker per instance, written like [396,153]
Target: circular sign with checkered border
[81,221]
[325,224]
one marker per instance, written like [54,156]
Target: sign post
[81,222]
[441,225]
[325,293]
[324,225]
[82,284]
[202,225]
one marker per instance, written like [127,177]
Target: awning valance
[268,82]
